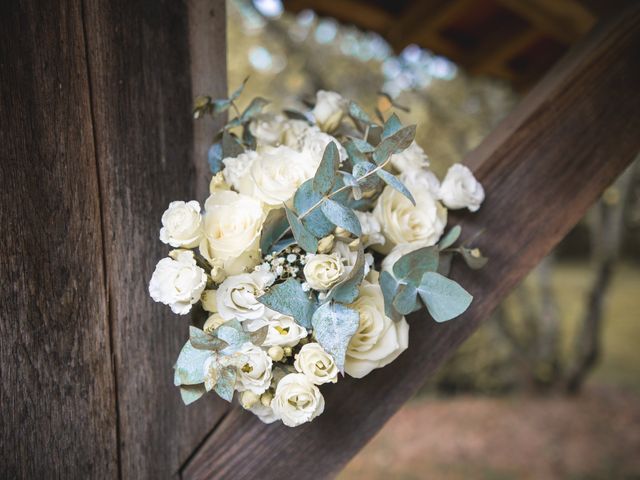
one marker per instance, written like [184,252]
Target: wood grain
[56,380]
[142,92]
[542,168]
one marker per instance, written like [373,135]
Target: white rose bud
[329,110]
[297,400]
[460,189]
[178,283]
[264,412]
[255,374]
[182,224]
[248,399]
[237,296]
[412,158]
[326,244]
[276,353]
[378,340]
[218,183]
[323,271]
[267,128]
[208,300]
[213,322]
[316,364]
[265,399]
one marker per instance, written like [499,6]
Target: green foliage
[325,176]
[393,182]
[334,324]
[391,126]
[341,216]
[405,299]
[473,257]
[411,267]
[303,237]
[347,290]
[290,299]
[389,286]
[189,368]
[226,383]
[191,393]
[274,227]
[233,334]
[444,298]
[230,145]
[203,341]
[450,238]
[394,143]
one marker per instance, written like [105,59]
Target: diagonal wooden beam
[542,168]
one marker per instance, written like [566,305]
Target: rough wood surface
[56,381]
[542,168]
[140,73]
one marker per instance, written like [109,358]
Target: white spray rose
[182,224]
[421,181]
[264,413]
[460,189]
[178,283]
[402,222]
[378,340]
[267,128]
[237,296]
[255,374]
[232,226]
[297,400]
[371,229]
[323,271]
[316,364]
[237,168]
[412,158]
[329,110]
[283,330]
[314,143]
[275,174]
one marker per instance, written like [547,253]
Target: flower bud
[213,322]
[208,300]
[248,399]
[287,351]
[218,183]
[266,398]
[276,353]
[326,244]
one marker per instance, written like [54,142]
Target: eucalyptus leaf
[473,257]
[347,290]
[341,216]
[275,225]
[396,142]
[391,126]
[220,106]
[254,108]
[334,324]
[450,238]
[444,298]
[444,263]
[189,368]
[360,117]
[203,341]
[214,157]
[352,182]
[412,266]
[355,155]
[395,183]
[290,299]
[362,169]
[325,176]
[305,198]
[238,91]
[389,286]
[259,336]
[362,145]
[191,393]
[248,139]
[230,146]
[226,383]
[304,237]
[280,245]
[405,300]
[233,334]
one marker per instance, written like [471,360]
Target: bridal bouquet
[321,232]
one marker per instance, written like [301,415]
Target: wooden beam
[356,12]
[542,168]
[141,56]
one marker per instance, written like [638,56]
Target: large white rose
[178,283]
[314,143]
[237,295]
[255,374]
[267,128]
[460,189]
[371,229]
[283,330]
[378,340]
[297,400]
[323,271]
[237,168]
[329,110]
[316,364]
[231,232]
[412,158]
[182,224]
[402,222]
[276,173]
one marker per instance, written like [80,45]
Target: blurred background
[549,387]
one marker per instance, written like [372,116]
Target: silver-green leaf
[450,238]
[391,126]
[191,393]
[444,298]
[304,237]
[412,266]
[233,334]
[189,368]
[389,286]
[395,183]
[341,216]
[226,383]
[405,300]
[334,325]
[325,176]
[396,142]
[347,290]
[290,299]
[275,225]
[203,341]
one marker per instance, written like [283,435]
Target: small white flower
[237,296]
[323,271]
[283,330]
[329,109]
[316,364]
[178,283]
[412,158]
[297,400]
[460,189]
[255,374]
[182,224]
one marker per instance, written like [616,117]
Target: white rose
[231,232]
[283,330]
[178,283]
[460,189]
[267,128]
[276,173]
[316,364]
[421,181]
[402,222]
[323,271]
[412,158]
[264,413]
[378,340]
[398,251]
[297,400]
[314,143]
[236,168]
[295,131]
[182,224]
[371,229]
[218,182]
[208,299]
[255,374]
[237,296]
[329,110]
